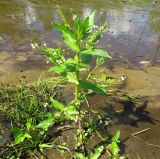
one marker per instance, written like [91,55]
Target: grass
[28,100]
[20,103]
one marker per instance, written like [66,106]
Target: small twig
[42,153]
[108,152]
[147,143]
[36,156]
[99,135]
[140,132]
[116,112]
[138,156]
[66,127]
[64,148]
[87,101]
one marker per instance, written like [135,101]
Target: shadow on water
[131,114]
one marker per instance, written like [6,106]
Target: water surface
[133,34]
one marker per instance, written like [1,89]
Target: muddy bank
[131,117]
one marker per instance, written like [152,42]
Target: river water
[132,38]
[133,35]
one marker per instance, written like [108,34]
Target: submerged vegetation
[38,113]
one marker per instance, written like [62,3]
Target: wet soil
[131,117]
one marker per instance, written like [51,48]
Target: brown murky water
[133,35]
[133,39]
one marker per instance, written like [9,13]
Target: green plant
[81,40]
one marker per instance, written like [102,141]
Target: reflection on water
[133,34]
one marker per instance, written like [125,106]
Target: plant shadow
[129,113]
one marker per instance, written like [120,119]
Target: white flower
[59,61]
[45,45]
[45,105]
[95,27]
[34,45]
[123,78]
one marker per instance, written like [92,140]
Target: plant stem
[77,89]
[77,78]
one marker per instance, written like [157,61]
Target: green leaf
[116,136]
[70,112]
[57,115]
[56,104]
[72,78]
[87,26]
[70,65]
[28,123]
[68,35]
[71,42]
[97,52]
[91,86]
[45,146]
[70,109]
[86,58]
[77,21]
[122,157]
[91,18]
[70,68]
[62,69]
[79,155]
[70,61]
[97,153]
[20,138]
[113,147]
[16,131]
[45,124]
[64,29]
[59,69]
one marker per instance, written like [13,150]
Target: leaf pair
[113,146]
[45,124]
[66,112]
[83,28]
[69,37]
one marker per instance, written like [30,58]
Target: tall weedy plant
[81,39]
